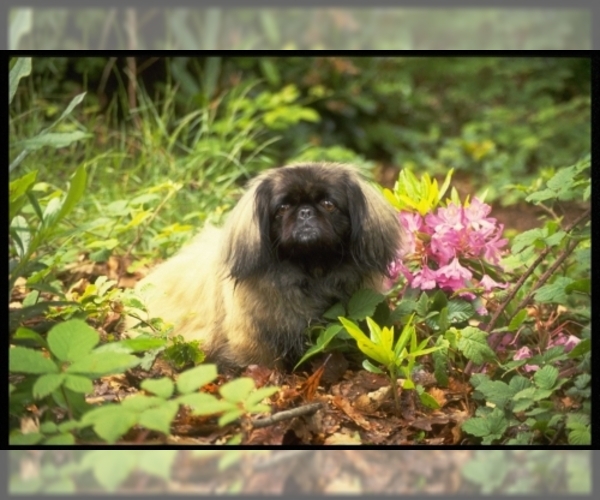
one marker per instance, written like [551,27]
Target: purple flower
[523,353]
[488,283]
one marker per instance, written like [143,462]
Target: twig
[544,277]
[286,415]
[523,278]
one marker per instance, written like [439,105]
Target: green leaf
[364,343]
[408,331]
[71,340]
[110,422]
[554,292]
[47,384]
[473,344]
[76,190]
[25,439]
[546,377]
[60,440]
[140,344]
[517,321]
[460,311]
[24,360]
[25,334]
[581,349]
[237,390]
[496,392]
[322,341]
[191,380]
[334,311]
[17,190]
[54,139]
[229,417]
[370,367]
[204,404]
[79,384]
[259,395]
[422,306]
[582,286]
[104,363]
[139,402]
[491,427]
[22,68]
[159,418]
[162,387]
[363,304]
[428,401]
[74,102]
[580,435]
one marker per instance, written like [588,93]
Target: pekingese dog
[301,238]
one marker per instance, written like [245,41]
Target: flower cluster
[438,244]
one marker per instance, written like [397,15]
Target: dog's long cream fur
[194,289]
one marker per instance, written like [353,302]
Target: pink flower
[523,353]
[425,279]
[453,276]
[568,342]
[488,283]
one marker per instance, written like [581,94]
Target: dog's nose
[305,212]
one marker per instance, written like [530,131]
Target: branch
[287,414]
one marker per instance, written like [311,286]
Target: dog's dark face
[309,217]
[313,216]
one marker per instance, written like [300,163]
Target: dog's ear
[375,230]
[248,245]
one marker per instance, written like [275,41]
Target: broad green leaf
[473,344]
[428,401]
[26,334]
[460,311]
[71,340]
[191,380]
[334,311]
[546,377]
[159,418]
[104,363]
[21,69]
[25,439]
[60,440]
[47,384]
[110,422]
[260,394]
[24,360]
[80,384]
[363,304]
[204,404]
[229,417]
[162,387]
[141,402]
[237,390]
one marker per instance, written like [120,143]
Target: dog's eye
[284,207]
[328,205]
